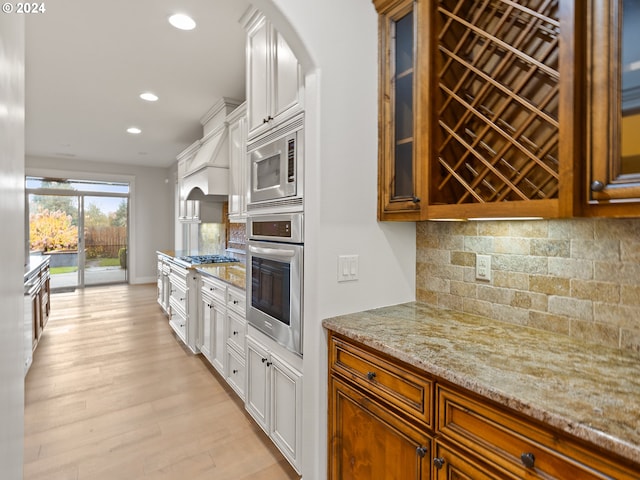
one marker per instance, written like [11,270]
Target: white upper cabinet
[238,175]
[274,79]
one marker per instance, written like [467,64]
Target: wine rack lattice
[498,94]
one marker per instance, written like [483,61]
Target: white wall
[11,245]
[337,43]
[151,205]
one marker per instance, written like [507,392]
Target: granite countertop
[232,273]
[589,391]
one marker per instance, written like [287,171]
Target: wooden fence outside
[104,242]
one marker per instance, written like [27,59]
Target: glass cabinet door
[613,177]
[399,185]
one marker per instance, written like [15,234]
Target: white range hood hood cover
[208,170]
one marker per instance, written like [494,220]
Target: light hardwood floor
[113,395]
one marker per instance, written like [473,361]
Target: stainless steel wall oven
[275,276]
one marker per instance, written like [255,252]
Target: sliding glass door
[105,239]
[83,227]
[53,231]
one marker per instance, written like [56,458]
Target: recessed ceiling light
[134,130]
[182,21]
[149,97]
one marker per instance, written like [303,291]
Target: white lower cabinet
[213,313]
[236,371]
[164,286]
[179,302]
[274,399]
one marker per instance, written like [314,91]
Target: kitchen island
[37,304]
[561,386]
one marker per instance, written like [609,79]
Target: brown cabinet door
[369,442]
[400,171]
[450,465]
[613,178]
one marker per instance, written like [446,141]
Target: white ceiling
[88,61]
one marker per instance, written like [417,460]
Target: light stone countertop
[586,390]
[232,273]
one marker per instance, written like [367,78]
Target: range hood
[207,171]
[204,166]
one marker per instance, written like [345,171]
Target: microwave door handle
[276,252]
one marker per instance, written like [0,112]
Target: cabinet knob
[235,371]
[415,199]
[371,375]
[438,462]
[597,186]
[269,364]
[264,360]
[235,332]
[421,451]
[528,459]
[235,302]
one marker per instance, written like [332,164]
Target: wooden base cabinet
[380,416]
[369,441]
[375,433]
[451,465]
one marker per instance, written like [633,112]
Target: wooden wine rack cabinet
[497,110]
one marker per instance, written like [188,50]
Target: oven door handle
[276,252]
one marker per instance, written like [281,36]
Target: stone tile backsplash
[578,277]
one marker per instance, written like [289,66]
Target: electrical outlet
[483,267]
[347,268]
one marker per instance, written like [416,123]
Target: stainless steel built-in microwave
[275,176]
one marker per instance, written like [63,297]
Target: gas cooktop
[203,259]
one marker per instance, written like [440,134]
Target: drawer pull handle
[438,462]
[371,375]
[528,459]
[421,451]
[269,364]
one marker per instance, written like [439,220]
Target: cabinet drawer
[236,300]
[213,288]
[179,324]
[236,372]
[386,378]
[236,331]
[179,299]
[516,446]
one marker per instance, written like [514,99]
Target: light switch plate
[483,267]
[347,268]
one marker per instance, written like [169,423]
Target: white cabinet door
[258,57]
[274,81]
[219,353]
[274,399]
[205,312]
[257,389]
[238,167]
[286,78]
[286,407]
